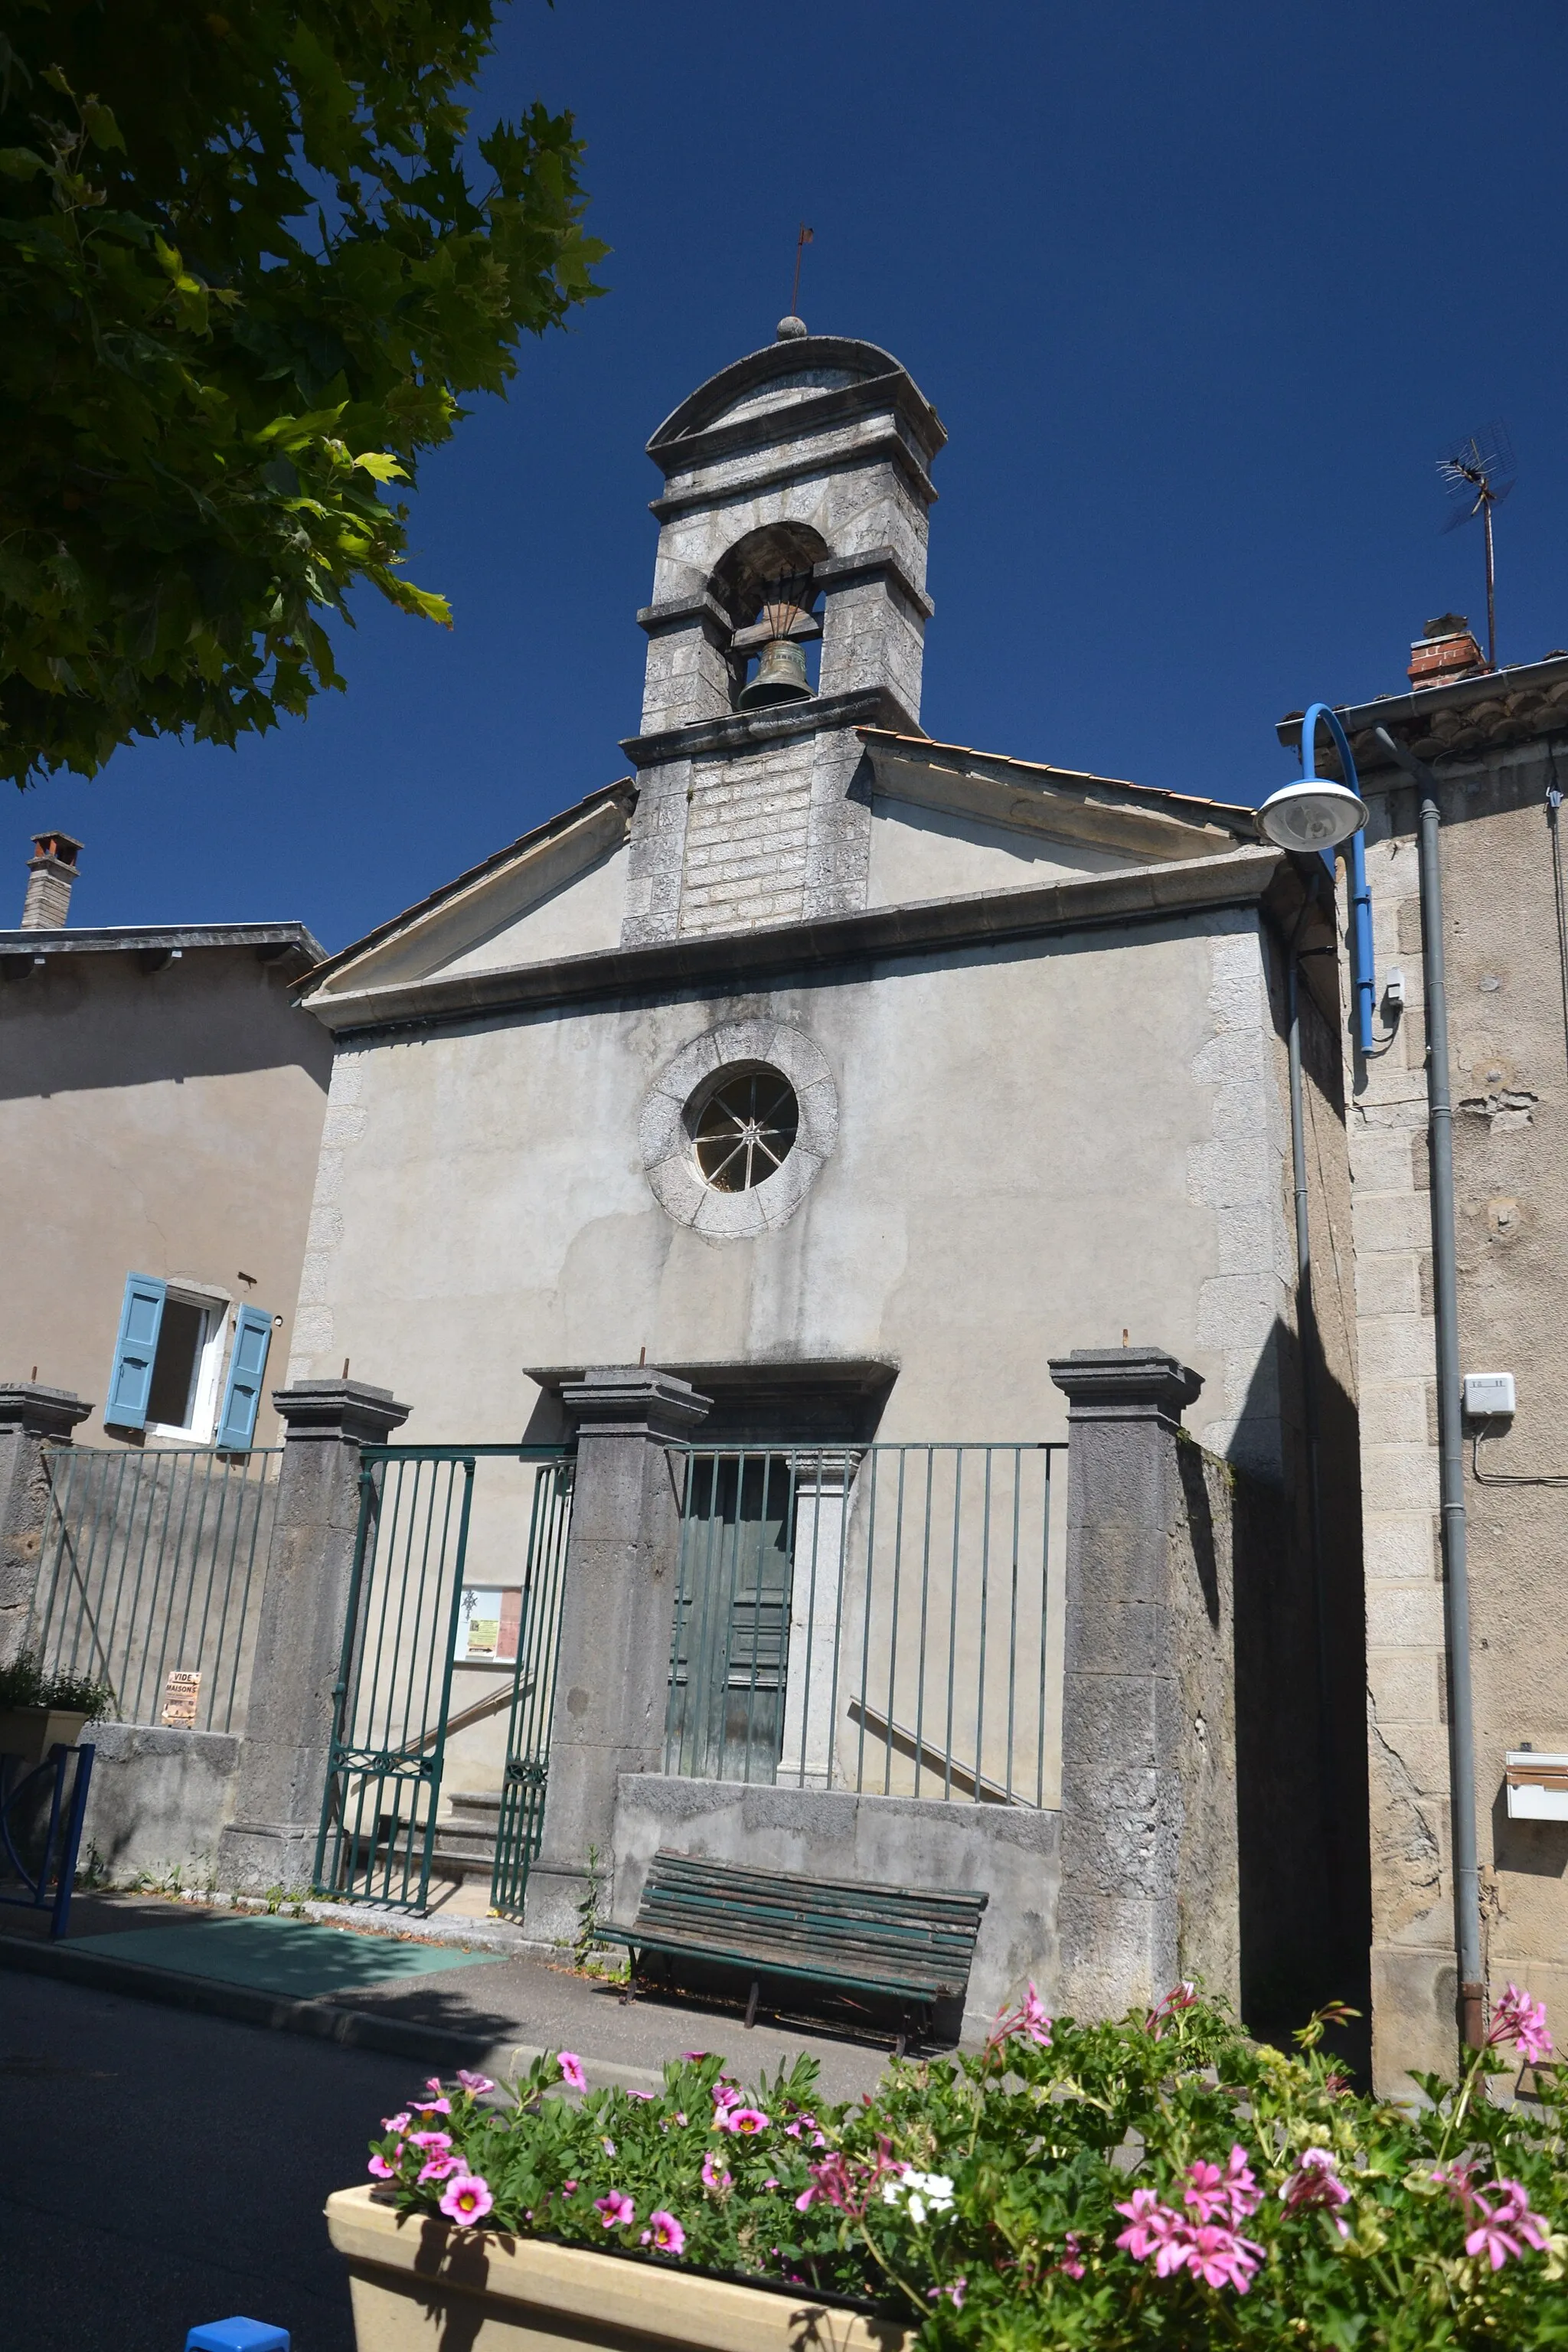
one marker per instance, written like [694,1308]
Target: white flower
[926,2192]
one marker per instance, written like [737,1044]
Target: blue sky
[1200,293]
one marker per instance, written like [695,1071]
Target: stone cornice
[1124,1384]
[857,456]
[744,959]
[738,731]
[682,442]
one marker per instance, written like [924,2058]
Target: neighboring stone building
[164,1099]
[850,1076]
[1498,744]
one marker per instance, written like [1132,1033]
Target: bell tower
[789,609]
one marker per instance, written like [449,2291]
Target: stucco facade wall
[1027,1159]
[162,1123]
[1509,1079]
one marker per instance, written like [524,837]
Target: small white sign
[1537,1786]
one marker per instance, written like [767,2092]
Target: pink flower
[714,2176]
[727,2095]
[1518,2019]
[1220,2257]
[745,2122]
[429,2141]
[614,2211]
[431,2106]
[1151,2227]
[1502,2226]
[1029,2018]
[380,2169]
[1315,2183]
[441,2166]
[665,2234]
[1071,2261]
[396,2123]
[833,2183]
[1231,2195]
[477,2084]
[694,2057]
[1180,1996]
[771,2183]
[435,2085]
[468,2200]
[954,2292]
[572,2073]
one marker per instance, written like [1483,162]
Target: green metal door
[413,1557]
[732,1618]
[533,1690]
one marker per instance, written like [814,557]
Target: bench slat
[903,1940]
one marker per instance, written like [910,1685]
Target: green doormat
[284,1955]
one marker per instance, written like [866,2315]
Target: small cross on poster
[181,1692]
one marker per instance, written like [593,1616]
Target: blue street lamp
[1324,816]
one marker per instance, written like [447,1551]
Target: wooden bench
[909,1945]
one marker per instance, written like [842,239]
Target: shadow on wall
[217,1014]
[1301,1719]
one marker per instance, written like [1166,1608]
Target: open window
[168,1365]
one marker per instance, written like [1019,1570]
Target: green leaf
[383,468]
[20,163]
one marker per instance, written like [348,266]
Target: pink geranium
[1518,2019]
[1315,2183]
[745,2122]
[1029,2019]
[1151,2228]
[1072,2259]
[1506,2228]
[1220,2257]
[1228,2196]
[468,2200]
[615,2211]
[663,2233]
[572,2073]
[1180,1997]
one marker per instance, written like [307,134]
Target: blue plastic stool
[237,2336]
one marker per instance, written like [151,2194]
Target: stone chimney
[51,870]
[1445,650]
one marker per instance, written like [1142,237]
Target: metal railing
[152,1563]
[870,1618]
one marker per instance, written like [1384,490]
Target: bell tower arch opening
[766,584]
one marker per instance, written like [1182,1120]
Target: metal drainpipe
[1450,1429]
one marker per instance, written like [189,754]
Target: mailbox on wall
[1537,1786]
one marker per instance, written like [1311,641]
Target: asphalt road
[162,2169]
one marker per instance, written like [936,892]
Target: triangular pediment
[558,892]
[947,820]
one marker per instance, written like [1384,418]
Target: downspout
[1450,1429]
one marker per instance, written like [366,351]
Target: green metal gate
[437,1523]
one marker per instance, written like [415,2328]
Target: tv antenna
[807,237]
[1478,473]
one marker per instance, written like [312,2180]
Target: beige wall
[1509,1079]
[1038,1147]
[162,1123]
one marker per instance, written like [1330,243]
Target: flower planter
[419,2283]
[30,1732]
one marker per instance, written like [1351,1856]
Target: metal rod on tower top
[806,237]
[1492,584]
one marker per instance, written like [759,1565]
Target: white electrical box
[1537,1786]
[1488,1396]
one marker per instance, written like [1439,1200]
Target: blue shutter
[247,1370]
[130,1381]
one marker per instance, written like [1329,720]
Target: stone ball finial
[789,329]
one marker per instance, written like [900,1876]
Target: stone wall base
[159,1800]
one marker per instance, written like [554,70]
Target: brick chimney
[51,870]
[1444,651]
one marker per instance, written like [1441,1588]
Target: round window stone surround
[670,1156]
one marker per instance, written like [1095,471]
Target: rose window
[746,1130]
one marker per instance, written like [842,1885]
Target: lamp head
[1312,815]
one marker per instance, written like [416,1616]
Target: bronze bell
[781,675]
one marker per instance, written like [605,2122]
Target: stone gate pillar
[1148,1836]
[612,1679]
[272,1841]
[32,1419]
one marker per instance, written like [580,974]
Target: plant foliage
[24,1683]
[250,264]
[1160,2183]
